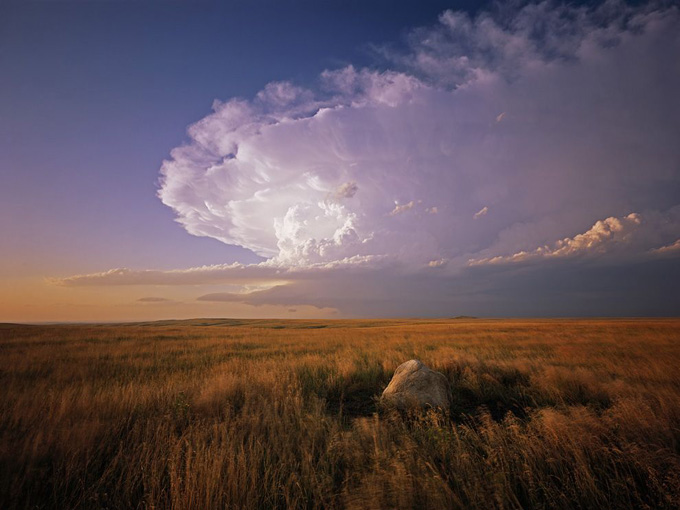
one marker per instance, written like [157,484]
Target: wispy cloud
[436,263]
[346,190]
[225,273]
[153,299]
[671,249]
[265,274]
[480,213]
[259,297]
[402,208]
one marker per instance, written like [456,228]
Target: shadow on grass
[481,388]
[478,389]
[347,395]
[493,389]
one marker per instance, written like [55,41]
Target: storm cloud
[519,136]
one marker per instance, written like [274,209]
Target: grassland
[282,414]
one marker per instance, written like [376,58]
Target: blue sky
[95,96]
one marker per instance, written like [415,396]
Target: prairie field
[216,413]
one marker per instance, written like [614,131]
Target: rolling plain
[218,413]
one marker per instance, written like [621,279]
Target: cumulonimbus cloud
[545,115]
[547,132]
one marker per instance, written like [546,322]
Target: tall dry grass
[273,414]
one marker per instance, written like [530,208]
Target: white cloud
[223,273]
[312,176]
[603,237]
[480,213]
[437,263]
[252,276]
[402,208]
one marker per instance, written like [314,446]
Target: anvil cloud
[554,117]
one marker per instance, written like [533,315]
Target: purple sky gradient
[519,161]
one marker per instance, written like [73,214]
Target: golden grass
[282,414]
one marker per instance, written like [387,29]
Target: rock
[415,385]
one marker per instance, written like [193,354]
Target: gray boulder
[414,385]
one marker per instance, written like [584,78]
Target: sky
[332,159]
